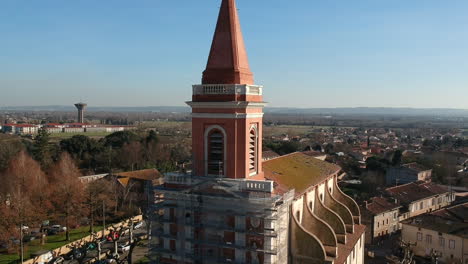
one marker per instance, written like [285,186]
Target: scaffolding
[201,223]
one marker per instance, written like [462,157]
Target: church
[234,207]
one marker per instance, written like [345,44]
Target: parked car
[69,256]
[51,232]
[123,248]
[28,238]
[91,246]
[15,240]
[57,260]
[36,234]
[138,225]
[116,236]
[58,228]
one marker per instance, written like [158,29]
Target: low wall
[65,248]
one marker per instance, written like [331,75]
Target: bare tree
[25,200]
[68,191]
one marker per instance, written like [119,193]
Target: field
[52,242]
[166,125]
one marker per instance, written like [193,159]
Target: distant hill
[368,111]
[373,111]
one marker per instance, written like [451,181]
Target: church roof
[228,62]
[297,171]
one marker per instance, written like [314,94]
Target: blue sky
[306,53]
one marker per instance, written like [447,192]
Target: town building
[411,172]
[234,207]
[20,129]
[443,233]
[381,215]
[53,128]
[420,198]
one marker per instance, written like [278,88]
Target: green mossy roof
[297,171]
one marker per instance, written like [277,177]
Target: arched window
[215,151]
[253,146]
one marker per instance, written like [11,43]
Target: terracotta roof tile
[410,192]
[228,62]
[379,205]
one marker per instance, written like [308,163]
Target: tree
[98,195]
[68,190]
[41,149]
[119,139]
[9,148]
[152,138]
[23,195]
[83,149]
[131,155]
[397,156]
[150,149]
[283,147]
[376,164]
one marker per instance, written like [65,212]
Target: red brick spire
[228,62]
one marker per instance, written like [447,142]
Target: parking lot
[104,250]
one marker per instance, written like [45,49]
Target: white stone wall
[424,246]
[385,222]
[297,208]
[311,199]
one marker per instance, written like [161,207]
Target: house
[420,198]
[443,232]
[411,172]
[381,215]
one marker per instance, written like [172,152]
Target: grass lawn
[143,260]
[52,242]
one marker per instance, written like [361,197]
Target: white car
[58,228]
[138,225]
[124,248]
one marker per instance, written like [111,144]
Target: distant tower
[80,107]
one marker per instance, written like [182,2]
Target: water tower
[80,107]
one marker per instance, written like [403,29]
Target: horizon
[2,108]
[365,54]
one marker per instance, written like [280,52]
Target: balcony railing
[220,89]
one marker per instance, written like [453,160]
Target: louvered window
[216,153]
[253,150]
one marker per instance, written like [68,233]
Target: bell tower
[227,108]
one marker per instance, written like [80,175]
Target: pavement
[382,249]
